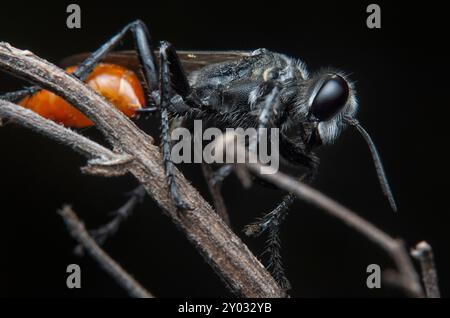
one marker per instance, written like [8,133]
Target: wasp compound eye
[330,98]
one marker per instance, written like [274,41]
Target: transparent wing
[191,60]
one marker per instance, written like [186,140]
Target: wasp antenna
[377,161]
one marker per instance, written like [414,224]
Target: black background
[400,73]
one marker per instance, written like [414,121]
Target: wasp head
[330,101]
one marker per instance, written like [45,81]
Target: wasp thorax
[332,95]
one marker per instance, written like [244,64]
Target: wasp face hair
[324,98]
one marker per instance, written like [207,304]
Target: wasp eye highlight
[330,98]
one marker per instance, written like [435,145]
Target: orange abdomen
[116,83]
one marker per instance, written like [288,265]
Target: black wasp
[240,89]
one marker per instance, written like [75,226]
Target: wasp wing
[194,60]
[191,60]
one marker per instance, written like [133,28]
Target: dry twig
[407,277]
[424,254]
[78,232]
[134,152]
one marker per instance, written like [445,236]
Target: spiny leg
[102,233]
[147,60]
[142,41]
[270,219]
[164,93]
[271,107]
[269,93]
[271,223]
[271,112]
[273,248]
[269,96]
[274,217]
[154,83]
[172,83]
[295,153]
[220,174]
[145,53]
[19,94]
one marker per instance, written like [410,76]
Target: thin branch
[409,279]
[50,129]
[243,176]
[394,247]
[80,234]
[424,254]
[220,247]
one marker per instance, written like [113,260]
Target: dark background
[401,74]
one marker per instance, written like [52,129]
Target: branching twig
[220,247]
[395,247]
[50,129]
[80,234]
[407,275]
[424,254]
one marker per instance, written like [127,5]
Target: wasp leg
[273,247]
[266,97]
[297,154]
[271,106]
[281,210]
[19,94]
[145,53]
[164,93]
[157,81]
[107,230]
[271,223]
[136,197]
[220,174]
[144,49]
[275,216]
